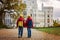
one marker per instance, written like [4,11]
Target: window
[31,14]
[48,20]
[48,15]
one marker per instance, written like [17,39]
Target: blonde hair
[21,15]
[29,15]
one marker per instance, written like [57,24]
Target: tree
[15,6]
[55,24]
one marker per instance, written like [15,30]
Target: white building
[48,16]
[40,19]
[43,18]
[31,8]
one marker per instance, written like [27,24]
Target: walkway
[12,34]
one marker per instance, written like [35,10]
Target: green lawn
[55,30]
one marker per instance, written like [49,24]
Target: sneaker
[29,37]
[18,36]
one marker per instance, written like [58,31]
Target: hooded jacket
[29,22]
[20,21]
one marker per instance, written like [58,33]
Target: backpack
[29,23]
[20,23]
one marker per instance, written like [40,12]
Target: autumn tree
[15,6]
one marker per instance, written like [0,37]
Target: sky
[54,3]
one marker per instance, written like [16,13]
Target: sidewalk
[12,34]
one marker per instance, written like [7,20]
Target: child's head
[21,15]
[29,15]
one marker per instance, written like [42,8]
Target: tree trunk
[1,16]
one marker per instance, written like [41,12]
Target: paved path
[12,34]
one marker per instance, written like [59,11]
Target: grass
[53,30]
[3,26]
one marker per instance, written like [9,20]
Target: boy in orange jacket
[20,26]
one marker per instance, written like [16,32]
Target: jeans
[29,32]
[20,31]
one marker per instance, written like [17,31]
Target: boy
[29,24]
[20,25]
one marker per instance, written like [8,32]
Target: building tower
[48,18]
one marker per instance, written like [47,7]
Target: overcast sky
[54,3]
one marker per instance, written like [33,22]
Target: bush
[3,26]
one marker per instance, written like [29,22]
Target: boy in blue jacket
[29,24]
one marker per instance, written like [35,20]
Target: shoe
[18,36]
[29,37]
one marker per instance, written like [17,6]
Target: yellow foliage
[22,6]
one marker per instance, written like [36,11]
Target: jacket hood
[21,18]
[29,18]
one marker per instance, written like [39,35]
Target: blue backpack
[29,23]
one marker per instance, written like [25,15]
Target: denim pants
[20,31]
[29,32]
